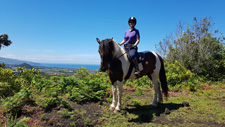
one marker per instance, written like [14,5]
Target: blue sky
[65,31]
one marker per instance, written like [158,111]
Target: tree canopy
[197,47]
[4,40]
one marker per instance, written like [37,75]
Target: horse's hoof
[124,113]
[153,107]
[112,108]
[186,104]
[160,103]
[116,111]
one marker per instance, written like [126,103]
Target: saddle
[141,57]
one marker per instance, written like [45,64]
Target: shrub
[91,88]
[176,73]
[143,82]
[139,92]
[26,76]
[8,85]
[13,104]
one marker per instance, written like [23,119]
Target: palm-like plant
[4,40]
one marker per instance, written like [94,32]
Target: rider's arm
[137,42]
[124,40]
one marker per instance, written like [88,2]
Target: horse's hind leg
[156,89]
[155,86]
[159,94]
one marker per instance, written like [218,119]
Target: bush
[197,47]
[176,73]
[13,104]
[91,88]
[143,82]
[8,85]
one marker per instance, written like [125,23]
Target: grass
[207,108]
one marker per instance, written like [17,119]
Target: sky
[65,31]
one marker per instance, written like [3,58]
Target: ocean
[87,66]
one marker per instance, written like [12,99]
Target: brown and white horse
[115,60]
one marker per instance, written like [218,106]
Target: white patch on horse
[121,53]
[155,76]
[125,61]
[158,65]
[140,66]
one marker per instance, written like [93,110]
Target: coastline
[77,66]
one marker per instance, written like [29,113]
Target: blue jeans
[133,53]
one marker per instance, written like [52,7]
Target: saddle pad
[141,56]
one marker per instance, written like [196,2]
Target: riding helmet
[132,20]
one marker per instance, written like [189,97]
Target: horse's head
[106,51]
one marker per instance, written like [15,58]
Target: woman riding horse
[115,60]
[130,41]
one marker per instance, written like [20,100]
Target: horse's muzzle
[102,69]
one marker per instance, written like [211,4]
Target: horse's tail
[162,77]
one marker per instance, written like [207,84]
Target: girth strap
[129,71]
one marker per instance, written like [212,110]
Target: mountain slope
[15,61]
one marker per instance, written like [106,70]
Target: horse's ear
[98,40]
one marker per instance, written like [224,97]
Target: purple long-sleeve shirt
[131,36]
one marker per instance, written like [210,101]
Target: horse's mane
[117,46]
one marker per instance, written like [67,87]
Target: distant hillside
[15,62]
[27,66]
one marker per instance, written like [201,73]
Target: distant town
[50,71]
[45,70]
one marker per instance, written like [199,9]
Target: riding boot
[137,71]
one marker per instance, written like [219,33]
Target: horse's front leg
[120,91]
[114,89]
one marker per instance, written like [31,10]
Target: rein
[122,55]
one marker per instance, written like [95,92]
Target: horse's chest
[116,71]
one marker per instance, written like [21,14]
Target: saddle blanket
[141,57]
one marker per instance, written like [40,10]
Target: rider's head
[132,20]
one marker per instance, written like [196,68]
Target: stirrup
[137,73]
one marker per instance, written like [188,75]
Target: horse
[115,59]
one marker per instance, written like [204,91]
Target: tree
[4,40]
[2,65]
[199,48]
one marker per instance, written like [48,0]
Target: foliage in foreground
[28,86]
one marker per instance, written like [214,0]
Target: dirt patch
[87,114]
[178,94]
[162,119]
[207,87]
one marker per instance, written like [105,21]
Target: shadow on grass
[145,113]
